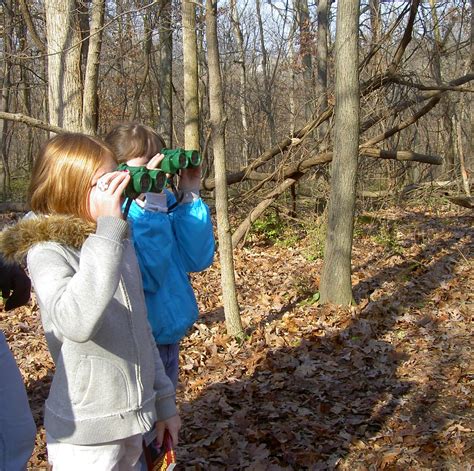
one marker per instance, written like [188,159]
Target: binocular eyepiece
[144,180]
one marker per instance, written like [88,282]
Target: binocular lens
[194,159]
[145,183]
[182,160]
[159,182]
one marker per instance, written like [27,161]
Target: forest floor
[386,384]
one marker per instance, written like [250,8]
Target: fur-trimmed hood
[15,241]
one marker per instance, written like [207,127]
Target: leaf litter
[386,384]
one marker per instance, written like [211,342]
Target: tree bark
[306,48]
[336,284]
[5,101]
[90,112]
[218,122]
[64,64]
[267,92]
[166,72]
[243,79]
[191,91]
[322,61]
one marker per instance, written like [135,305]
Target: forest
[337,144]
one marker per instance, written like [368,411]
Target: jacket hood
[16,240]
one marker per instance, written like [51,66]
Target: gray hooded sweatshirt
[109,381]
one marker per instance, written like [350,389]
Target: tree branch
[36,123]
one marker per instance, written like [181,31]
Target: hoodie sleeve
[76,297]
[192,227]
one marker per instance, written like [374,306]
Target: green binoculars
[176,159]
[144,180]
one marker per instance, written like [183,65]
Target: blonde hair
[63,173]
[131,140]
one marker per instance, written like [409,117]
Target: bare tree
[6,85]
[267,88]
[322,60]
[241,60]
[190,86]
[166,71]
[64,64]
[336,284]
[306,52]
[90,101]
[218,122]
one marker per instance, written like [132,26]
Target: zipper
[135,343]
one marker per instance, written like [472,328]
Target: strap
[128,203]
[179,196]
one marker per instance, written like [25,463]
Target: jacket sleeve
[76,297]
[15,285]
[152,238]
[192,227]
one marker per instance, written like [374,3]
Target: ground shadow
[303,407]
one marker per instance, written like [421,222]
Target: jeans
[170,357]
[17,427]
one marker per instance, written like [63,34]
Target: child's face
[108,166]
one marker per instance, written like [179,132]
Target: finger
[174,436]
[123,185]
[160,432]
[116,181]
[155,161]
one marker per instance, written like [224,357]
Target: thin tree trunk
[306,46]
[336,284]
[25,90]
[462,163]
[322,62]
[166,64]
[218,122]
[147,47]
[64,64]
[5,102]
[268,99]
[243,79]
[191,92]
[90,110]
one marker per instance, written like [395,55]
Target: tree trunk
[166,75]
[322,63]
[5,103]
[243,79]
[147,48]
[267,92]
[336,284]
[191,92]
[90,110]
[64,64]
[306,47]
[25,87]
[462,162]
[218,122]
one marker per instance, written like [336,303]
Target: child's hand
[173,424]
[107,198]
[155,161]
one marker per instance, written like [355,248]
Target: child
[17,427]
[170,240]
[109,385]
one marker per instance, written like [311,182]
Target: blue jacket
[168,247]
